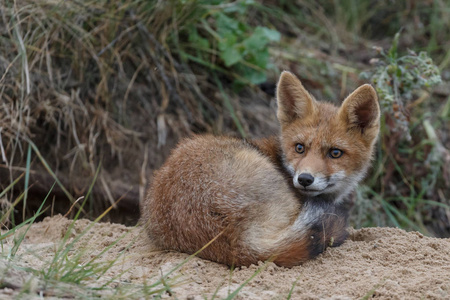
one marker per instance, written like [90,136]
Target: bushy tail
[326,225]
[320,224]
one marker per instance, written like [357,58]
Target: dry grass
[88,82]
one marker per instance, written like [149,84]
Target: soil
[381,263]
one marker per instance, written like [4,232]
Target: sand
[381,263]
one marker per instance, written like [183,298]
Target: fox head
[326,149]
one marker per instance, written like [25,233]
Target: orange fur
[249,195]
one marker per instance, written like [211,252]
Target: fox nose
[305,179]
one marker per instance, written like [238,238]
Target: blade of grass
[435,203]
[386,206]
[405,219]
[217,289]
[10,186]
[49,170]
[292,288]
[27,179]
[234,294]
[17,227]
[11,208]
[63,249]
[229,106]
[370,293]
[18,242]
[91,187]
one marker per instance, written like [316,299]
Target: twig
[2,149]
[71,207]
[163,75]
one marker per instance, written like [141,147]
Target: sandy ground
[382,263]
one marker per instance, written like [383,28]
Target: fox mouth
[306,190]
[311,191]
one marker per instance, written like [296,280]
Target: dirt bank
[382,263]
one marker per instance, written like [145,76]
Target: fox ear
[360,109]
[293,100]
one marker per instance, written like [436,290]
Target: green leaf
[196,39]
[228,41]
[260,38]
[231,56]
[260,58]
[254,76]
[226,25]
[254,43]
[392,54]
[271,34]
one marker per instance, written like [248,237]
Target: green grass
[69,273]
[371,293]
[289,296]
[76,269]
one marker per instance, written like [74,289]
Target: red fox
[279,198]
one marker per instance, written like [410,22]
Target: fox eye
[335,153]
[300,148]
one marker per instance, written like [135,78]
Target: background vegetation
[96,93]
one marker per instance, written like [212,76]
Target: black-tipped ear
[360,109]
[293,100]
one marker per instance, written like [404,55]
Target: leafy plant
[409,169]
[225,32]
[396,78]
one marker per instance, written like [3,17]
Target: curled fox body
[278,198]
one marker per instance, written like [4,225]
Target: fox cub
[278,198]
